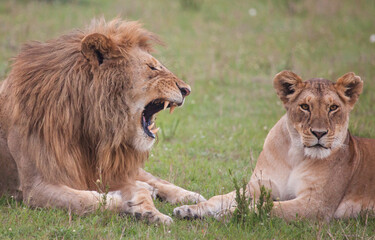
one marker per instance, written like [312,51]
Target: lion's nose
[318,133]
[185,91]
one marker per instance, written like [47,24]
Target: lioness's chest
[300,178]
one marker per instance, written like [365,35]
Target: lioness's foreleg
[310,207]
[215,206]
[169,192]
[307,205]
[221,205]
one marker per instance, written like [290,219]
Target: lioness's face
[320,118]
[318,110]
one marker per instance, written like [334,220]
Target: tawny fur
[330,180]
[56,98]
[70,114]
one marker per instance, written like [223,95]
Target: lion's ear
[286,84]
[349,87]
[96,47]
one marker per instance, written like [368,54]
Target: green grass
[229,58]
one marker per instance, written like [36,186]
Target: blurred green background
[228,51]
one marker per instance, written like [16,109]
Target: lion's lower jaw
[317,153]
[143,143]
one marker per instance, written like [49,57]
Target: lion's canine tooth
[172,109]
[151,126]
[166,104]
[154,131]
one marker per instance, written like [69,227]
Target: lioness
[77,119]
[313,165]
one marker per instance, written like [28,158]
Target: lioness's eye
[333,107]
[305,107]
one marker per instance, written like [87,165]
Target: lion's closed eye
[153,68]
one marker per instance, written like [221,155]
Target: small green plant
[245,214]
[103,190]
[242,213]
[265,203]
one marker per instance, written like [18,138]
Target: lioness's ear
[96,47]
[349,87]
[286,84]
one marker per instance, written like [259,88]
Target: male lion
[313,165]
[77,114]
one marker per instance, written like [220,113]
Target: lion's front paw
[153,217]
[153,191]
[192,197]
[185,197]
[160,218]
[187,212]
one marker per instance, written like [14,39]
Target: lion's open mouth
[148,115]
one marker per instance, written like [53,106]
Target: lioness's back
[364,177]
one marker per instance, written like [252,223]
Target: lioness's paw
[187,212]
[225,214]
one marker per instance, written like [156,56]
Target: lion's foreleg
[133,199]
[168,191]
[43,194]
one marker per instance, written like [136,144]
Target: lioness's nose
[185,91]
[318,134]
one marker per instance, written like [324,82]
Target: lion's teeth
[166,103]
[151,126]
[172,109]
[154,131]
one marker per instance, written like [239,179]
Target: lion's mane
[70,111]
